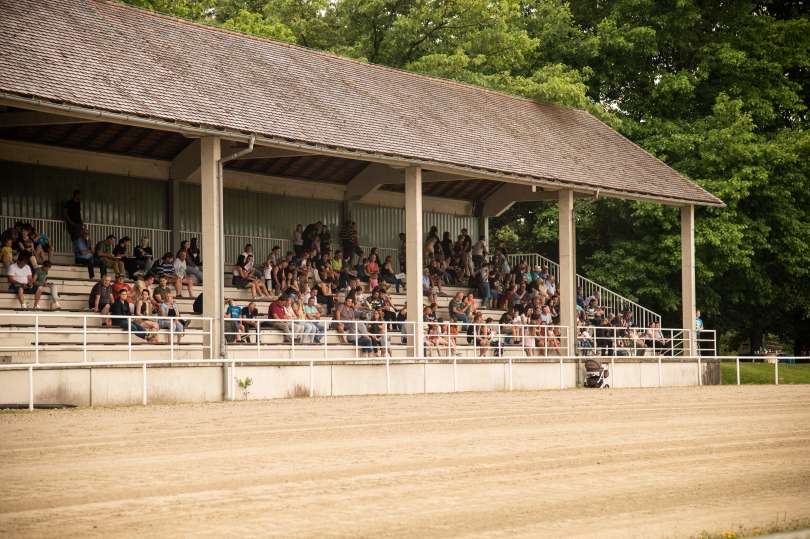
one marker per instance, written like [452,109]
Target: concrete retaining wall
[123,385]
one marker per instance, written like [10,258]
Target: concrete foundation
[94,385]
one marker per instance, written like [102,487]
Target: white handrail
[609,298]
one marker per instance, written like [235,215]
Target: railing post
[356,341]
[30,388]
[144,384]
[387,374]
[510,374]
[129,347]
[171,339]
[738,370]
[258,339]
[562,384]
[700,371]
[36,338]
[311,377]
[613,369]
[292,339]
[84,338]
[776,371]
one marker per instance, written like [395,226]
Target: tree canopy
[718,90]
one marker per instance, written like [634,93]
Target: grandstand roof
[104,56]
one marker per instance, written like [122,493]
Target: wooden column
[413,256]
[212,240]
[688,296]
[567,284]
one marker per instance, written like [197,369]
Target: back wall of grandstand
[38,192]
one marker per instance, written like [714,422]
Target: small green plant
[244,386]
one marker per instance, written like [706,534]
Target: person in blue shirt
[83,255]
[234,329]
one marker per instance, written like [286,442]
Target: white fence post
[311,377]
[144,384]
[129,348]
[738,370]
[36,338]
[659,370]
[30,388]
[562,385]
[776,371]
[84,338]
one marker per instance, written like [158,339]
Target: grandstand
[231,141]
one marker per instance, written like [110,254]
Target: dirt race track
[615,463]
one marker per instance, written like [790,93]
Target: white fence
[60,242]
[608,299]
[30,335]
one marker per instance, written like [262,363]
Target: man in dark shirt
[72,213]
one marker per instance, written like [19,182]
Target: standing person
[72,213]
[298,240]
[479,252]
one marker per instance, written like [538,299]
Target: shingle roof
[107,56]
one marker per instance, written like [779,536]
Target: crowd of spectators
[314,282]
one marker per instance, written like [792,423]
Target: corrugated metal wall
[381,226]
[39,192]
[247,213]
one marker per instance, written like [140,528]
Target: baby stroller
[595,374]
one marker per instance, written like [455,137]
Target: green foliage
[718,90]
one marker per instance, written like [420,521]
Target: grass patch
[763,373]
[779,526]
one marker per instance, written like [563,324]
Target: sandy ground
[614,463]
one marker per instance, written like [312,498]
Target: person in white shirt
[479,251]
[21,280]
[551,286]
[180,270]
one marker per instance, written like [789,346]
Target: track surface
[615,463]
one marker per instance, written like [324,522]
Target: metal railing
[611,341]
[608,299]
[61,244]
[68,336]
[351,339]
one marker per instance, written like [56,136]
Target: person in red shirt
[278,311]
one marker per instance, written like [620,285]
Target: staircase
[612,301]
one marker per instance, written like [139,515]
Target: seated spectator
[456,307]
[102,298]
[144,305]
[7,253]
[197,308]
[359,336]
[121,251]
[309,330]
[104,251]
[143,257]
[140,328]
[27,250]
[313,315]
[171,322]
[387,274]
[191,268]
[162,290]
[182,275]
[250,315]
[194,254]
[345,314]
[378,334]
[234,329]
[166,269]
[21,281]
[119,285]
[42,244]
[372,270]
[278,312]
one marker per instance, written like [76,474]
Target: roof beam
[273,153]
[375,175]
[186,165]
[30,118]
[509,193]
